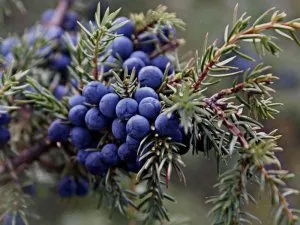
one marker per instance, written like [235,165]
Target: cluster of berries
[55,53]
[4,132]
[133,51]
[69,186]
[125,122]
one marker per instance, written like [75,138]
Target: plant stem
[60,12]
[235,38]
[165,48]
[28,156]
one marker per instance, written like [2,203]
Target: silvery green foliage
[226,124]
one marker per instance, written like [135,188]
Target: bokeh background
[201,16]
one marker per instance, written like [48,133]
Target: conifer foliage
[108,105]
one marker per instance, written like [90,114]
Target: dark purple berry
[126,108]
[122,46]
[166,34]
[66,187]
[110,155]
[95,120]
[59,131]
[95,165]
[132,63]
[70,21]
[80,137]
[141,55]
[4,118]
[144,92]
[108,105]
[81,156]
[132,143]
[94,91]
[119,129]
[161,62]
[8,44]
[150,76]
[60,61]
[77,115]
[4,136]
[76,100]
[127,29]
[166,126]
[147,42]
[176,136]
[82,187]
[138,127]
[60,91]
[149,107]
[126,154]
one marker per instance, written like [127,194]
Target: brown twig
[28,156]
[165,48]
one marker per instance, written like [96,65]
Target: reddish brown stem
[27,157]
[145,28]
[235,38]
[60,12]
[165,48]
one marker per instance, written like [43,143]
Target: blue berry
[4,118]
[141,55]
[133,166]
[110,89]
[126,154]
[80,137]
[122,46]
[52,32]
[110,155]
[166,126]
[161,62]
[131,63]
[60,91]
[47,16]
[10,219]
[4,136]
[82,187]
[58,131]
[147,42]
[108,105]
[8,44]
[166,34]
[127,29]
[119,129]
[77,115]
[138,127]
[176,136]
[66,187]
[149,107]
[144,92]
[132,143]
[126,108]
[94,91]
[9,59]
[81,156]
[29,189]
[95,165]
[60,61]
[95,120]
[76,100]
[150,76]
[69,22]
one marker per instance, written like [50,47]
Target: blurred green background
[201,16]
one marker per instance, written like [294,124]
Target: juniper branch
[253,33]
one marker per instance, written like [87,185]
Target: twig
[235,38]
[165,48]
[60,12]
